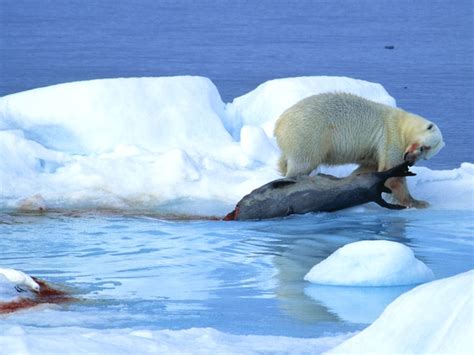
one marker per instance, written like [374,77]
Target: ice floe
[437,317]
[370,263]
[165,144]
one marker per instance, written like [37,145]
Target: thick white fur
[340,128]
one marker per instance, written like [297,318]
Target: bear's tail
[283,165]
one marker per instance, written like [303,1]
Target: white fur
[341,128]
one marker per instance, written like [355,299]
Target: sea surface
[420,51]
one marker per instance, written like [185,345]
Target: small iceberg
[437,317]
[360,279]
[18,280]
[371,263]
[19,291]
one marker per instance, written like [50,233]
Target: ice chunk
[257,145]
[21,281]
[458,183]
[370,263]
[8,292]
[16,285]
[33,203]
[95,116]
[437,317]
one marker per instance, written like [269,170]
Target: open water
[238,277]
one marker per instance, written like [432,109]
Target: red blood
[229,216]
[413,147]
[8,307]
[232,216]
[48,294]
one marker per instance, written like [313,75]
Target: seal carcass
[321,193]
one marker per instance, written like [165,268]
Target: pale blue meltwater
[141,272]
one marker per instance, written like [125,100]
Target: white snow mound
[72,340]
[434,318]
[15,284]
[98,115]
[370,263]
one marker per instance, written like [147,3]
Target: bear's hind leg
[282,165]
[297,167]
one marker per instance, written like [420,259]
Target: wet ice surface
[141,272]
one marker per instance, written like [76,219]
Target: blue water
[240,44]
[238,277]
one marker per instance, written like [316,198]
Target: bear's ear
[430,127]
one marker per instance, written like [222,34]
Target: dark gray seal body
[321,193]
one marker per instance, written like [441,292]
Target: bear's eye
[430,126]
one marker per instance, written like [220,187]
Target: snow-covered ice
[96,116]
[437,317]
[371,263]
[21,282]
[29,340]
[8,293]
[15,286]
[369,275]
[168,144]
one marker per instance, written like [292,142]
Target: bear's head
[424,139]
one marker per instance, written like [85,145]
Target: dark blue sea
[420,51]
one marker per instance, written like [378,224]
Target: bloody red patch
[232,216]
[48,294]
[413,147]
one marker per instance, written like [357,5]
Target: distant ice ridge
[434,318]
[167,144]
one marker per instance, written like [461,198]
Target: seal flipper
[397,171]
[381,202]
[400,170]
[385,189]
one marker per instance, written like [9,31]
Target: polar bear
[341,128]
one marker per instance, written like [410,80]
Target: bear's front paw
[418,204]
